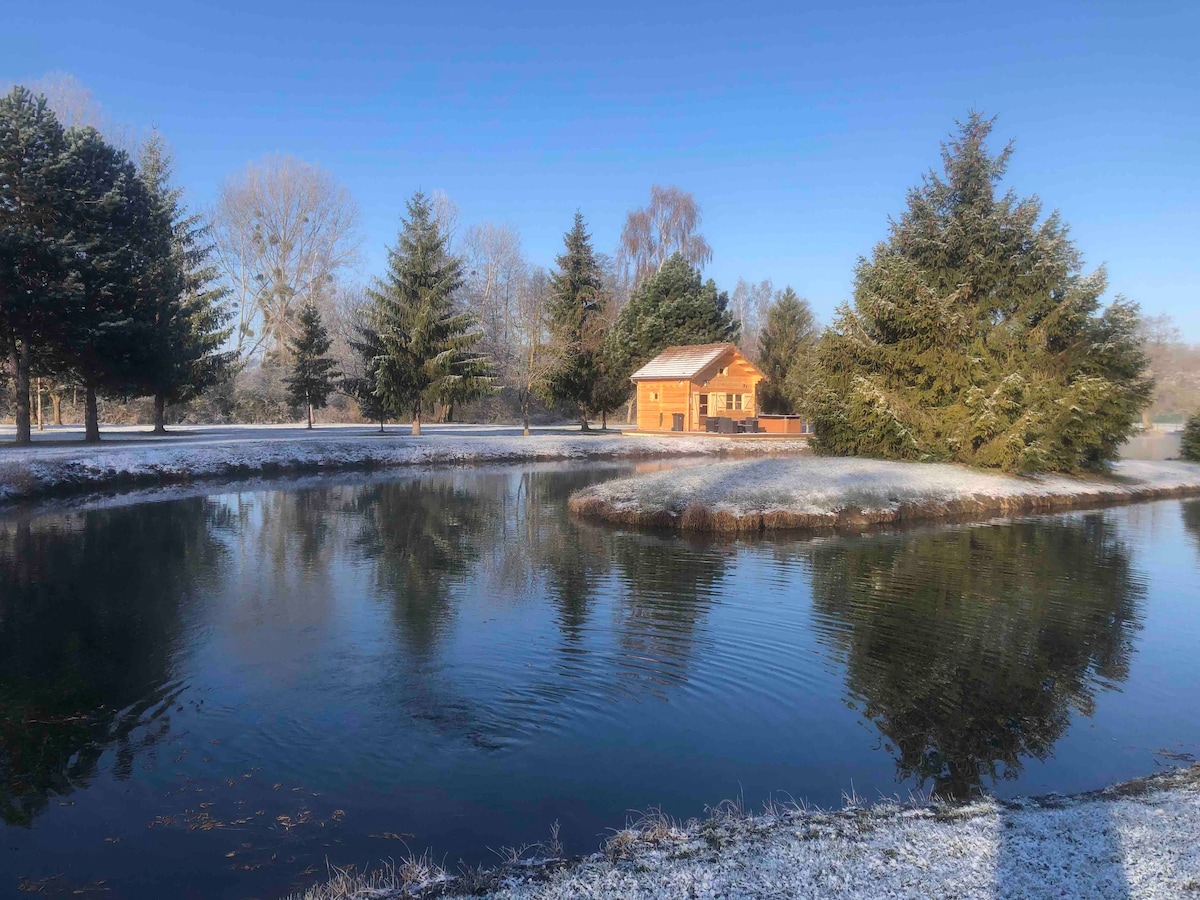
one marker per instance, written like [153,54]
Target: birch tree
[669,225]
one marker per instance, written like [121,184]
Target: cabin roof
[682,362]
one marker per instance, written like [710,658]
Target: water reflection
[450,655]
[1191,519]
[971,648]
[89,617]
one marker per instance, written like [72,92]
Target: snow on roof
[682,362]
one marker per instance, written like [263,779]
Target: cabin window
[733,401]
[704,404]
[654,395]
[724,370]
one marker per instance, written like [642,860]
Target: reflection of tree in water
[89,613]
[1191,519]
[424,537]
[669,584]
[571,558]
[971,648]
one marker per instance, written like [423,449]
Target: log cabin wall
[730,386]
[657,400]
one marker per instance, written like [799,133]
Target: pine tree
[1189,448]
[189,322]
[36,242]
[364,386]
[121,238]
[785,353]
[576,315]
[672,307]
[974,336]
[428,343]
[314,372]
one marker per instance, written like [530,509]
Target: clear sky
[798,126]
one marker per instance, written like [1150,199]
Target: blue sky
[799,127]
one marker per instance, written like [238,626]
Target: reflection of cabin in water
[707,387]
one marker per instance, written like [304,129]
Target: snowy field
[1138,840]
[813,492]
[60,463]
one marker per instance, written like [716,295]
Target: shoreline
[829,494]
[134,460]
[1140,838]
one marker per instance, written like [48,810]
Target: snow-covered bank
[820,493]
[131,458]
[1136,840]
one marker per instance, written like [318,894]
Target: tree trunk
[583,422]
[160,414]
[309,405]
[629,412]
[525,416]
[38,389]
[20,364]
[381,426]
[56,406]
[91,416]
[449,412]
[416,423]
[604,420]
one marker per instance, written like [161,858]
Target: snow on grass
[815,492]
[1137,840]
[131,457]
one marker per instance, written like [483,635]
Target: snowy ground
[59,463]
[1137,840]
[814,492]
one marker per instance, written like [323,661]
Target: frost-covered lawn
[1139,840]
[59,462]
[815,492]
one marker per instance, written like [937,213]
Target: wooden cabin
[683,387]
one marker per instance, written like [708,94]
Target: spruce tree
[122,239]
[364,386]
[975,336]
[188,322]
[1189,448]
[428,343]
[37,245]
[672,307]
[785,353]
[576,315]
[313,372]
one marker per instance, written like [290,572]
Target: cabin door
[701,412]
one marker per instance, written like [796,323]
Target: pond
[211,696]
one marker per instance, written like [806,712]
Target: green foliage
[1190,447]
[313,370]
[427,342]
[975,337]
[124,244]
[364,386]
[672,307]
[577,304]
[786,354]
[189,321]
[35,244]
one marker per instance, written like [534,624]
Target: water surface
[213,695]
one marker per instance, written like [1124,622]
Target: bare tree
[445,213]
[77,107]
[284,230]
[535,355]
[749,303]
[495,273]
[669,225]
